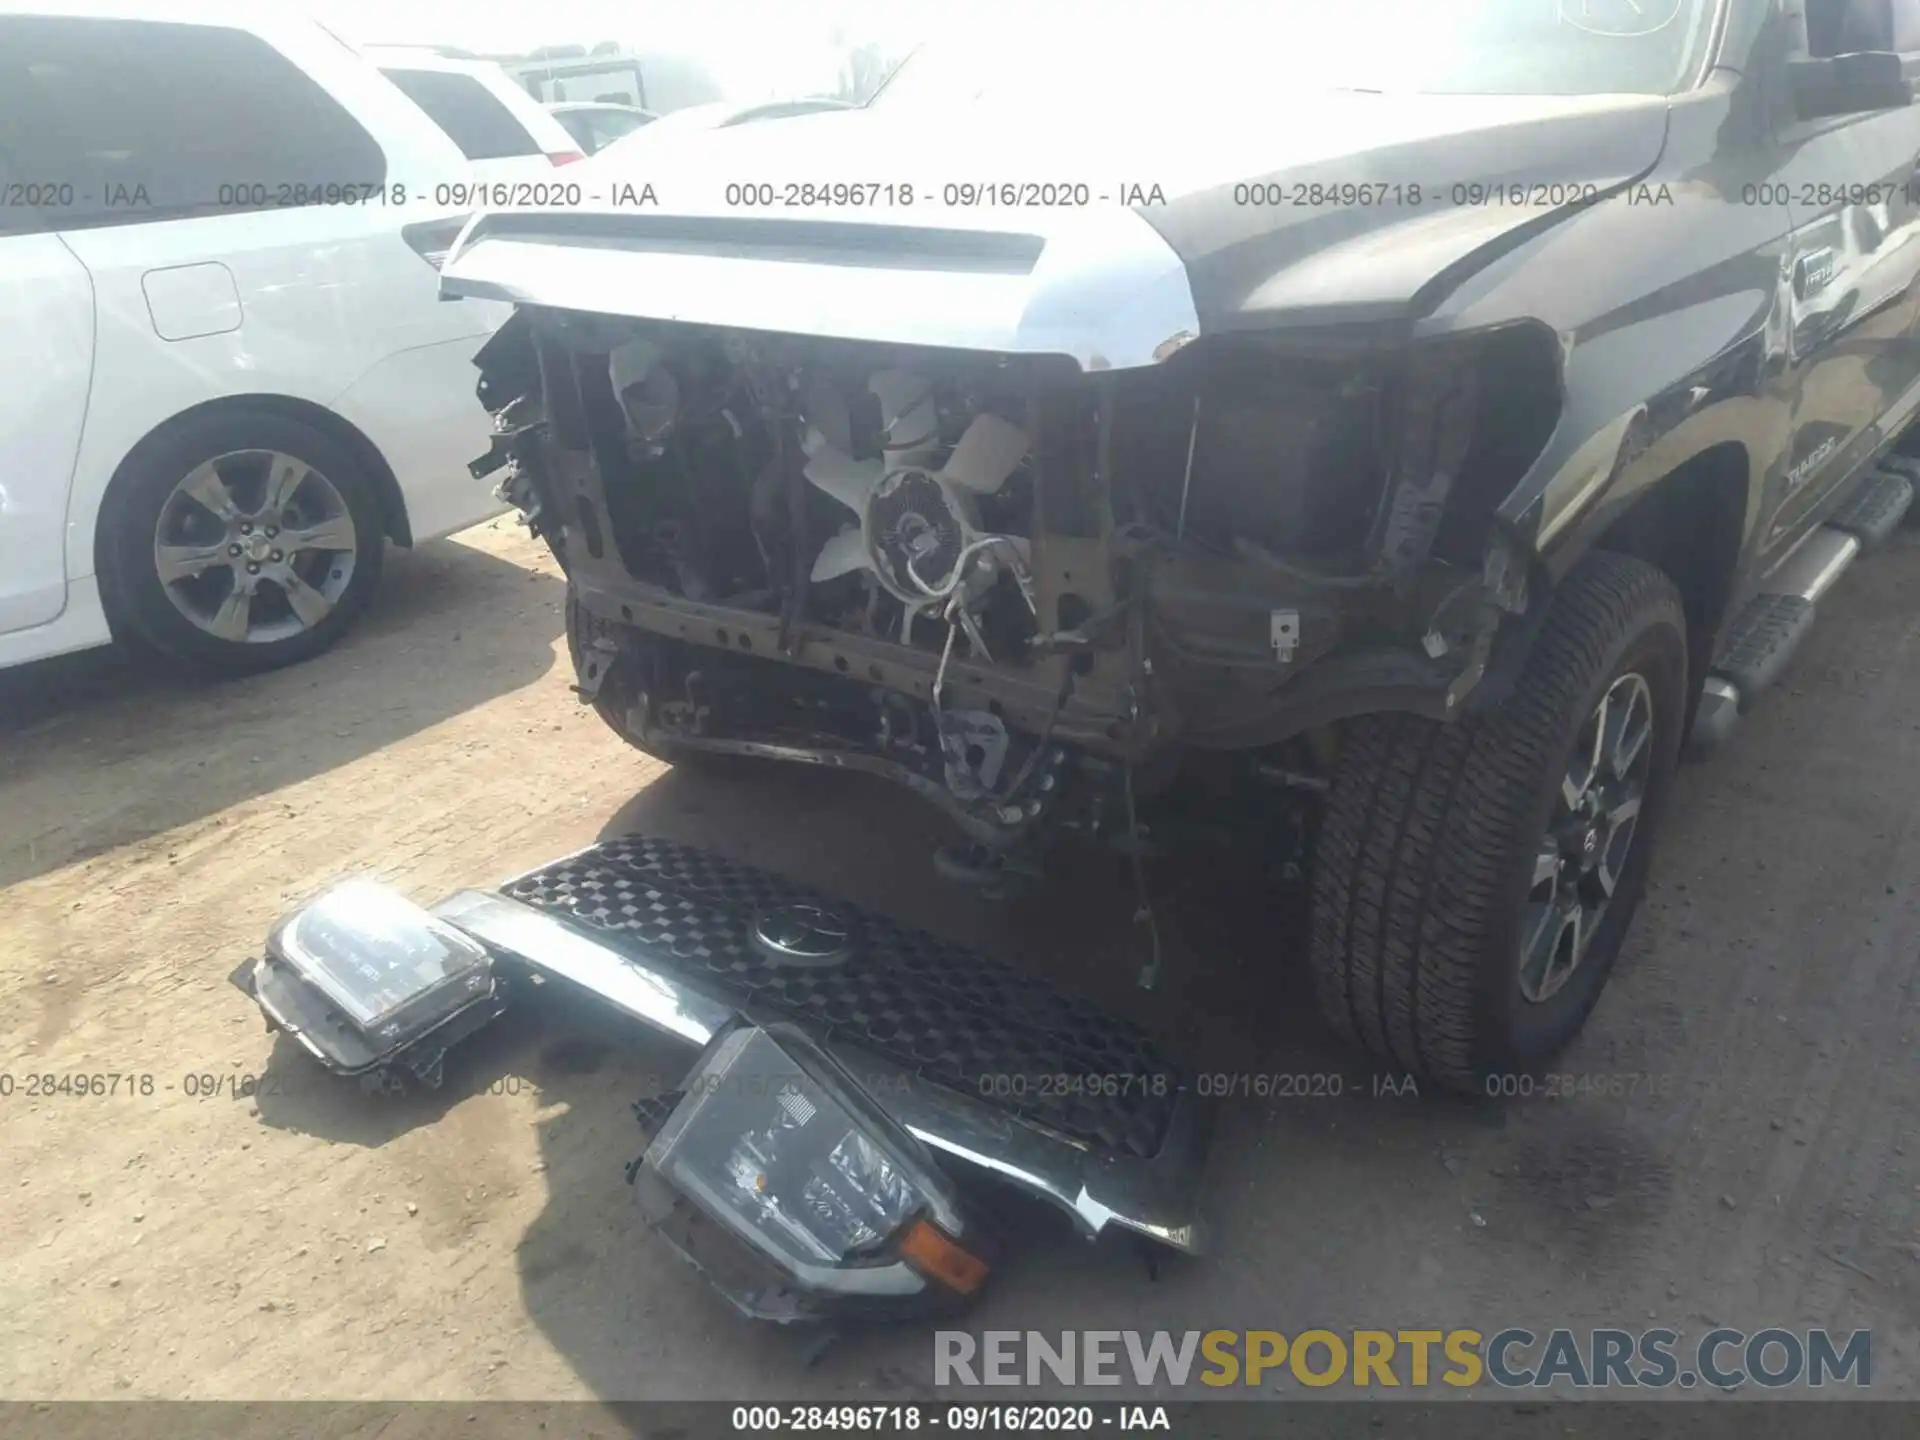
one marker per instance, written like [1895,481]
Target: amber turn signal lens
[939,1258]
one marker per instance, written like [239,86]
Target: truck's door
[46,368]
[1852,190]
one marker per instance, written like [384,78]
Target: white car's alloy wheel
[254,546]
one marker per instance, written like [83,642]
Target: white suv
[228,377]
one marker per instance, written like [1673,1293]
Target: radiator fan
[916,522]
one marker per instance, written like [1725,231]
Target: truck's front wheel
[1473,881]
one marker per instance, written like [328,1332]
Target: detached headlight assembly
[364,978]
[810,1199]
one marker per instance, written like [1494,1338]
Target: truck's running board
[1875,510]
[1765,635]
[1769,628]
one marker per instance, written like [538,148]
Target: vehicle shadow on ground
[1232,982]
[92,744]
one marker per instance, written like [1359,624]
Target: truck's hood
[1038,231]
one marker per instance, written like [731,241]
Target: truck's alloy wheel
[1590,838]
[241,541]
[1473,882]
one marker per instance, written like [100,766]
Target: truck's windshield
[1217,51]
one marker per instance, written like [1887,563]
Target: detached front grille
[965,1020]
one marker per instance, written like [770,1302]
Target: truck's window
[479,124]
[139,120]
[1234,53]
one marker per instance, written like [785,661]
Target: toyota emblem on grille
[803,935]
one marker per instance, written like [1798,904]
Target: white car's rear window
[140,120]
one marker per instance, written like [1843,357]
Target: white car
[228,377]
[504,132]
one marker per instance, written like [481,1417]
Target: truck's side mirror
[1853,84]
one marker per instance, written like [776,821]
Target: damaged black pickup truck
[1434,455]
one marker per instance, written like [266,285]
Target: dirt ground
[183,1238]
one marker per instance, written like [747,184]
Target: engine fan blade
[898,391]
[847,480]
[628,364]
[826,411]
[909,420]
[646,389]
[987,454]
[842,555]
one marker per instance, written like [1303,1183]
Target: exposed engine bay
[1003,581]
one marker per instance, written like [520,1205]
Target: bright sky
[751,48]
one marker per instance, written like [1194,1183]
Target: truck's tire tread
[1425,822]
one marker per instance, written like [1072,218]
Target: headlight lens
[384,963]
[780,1145]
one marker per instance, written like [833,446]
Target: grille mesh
[975,1024]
